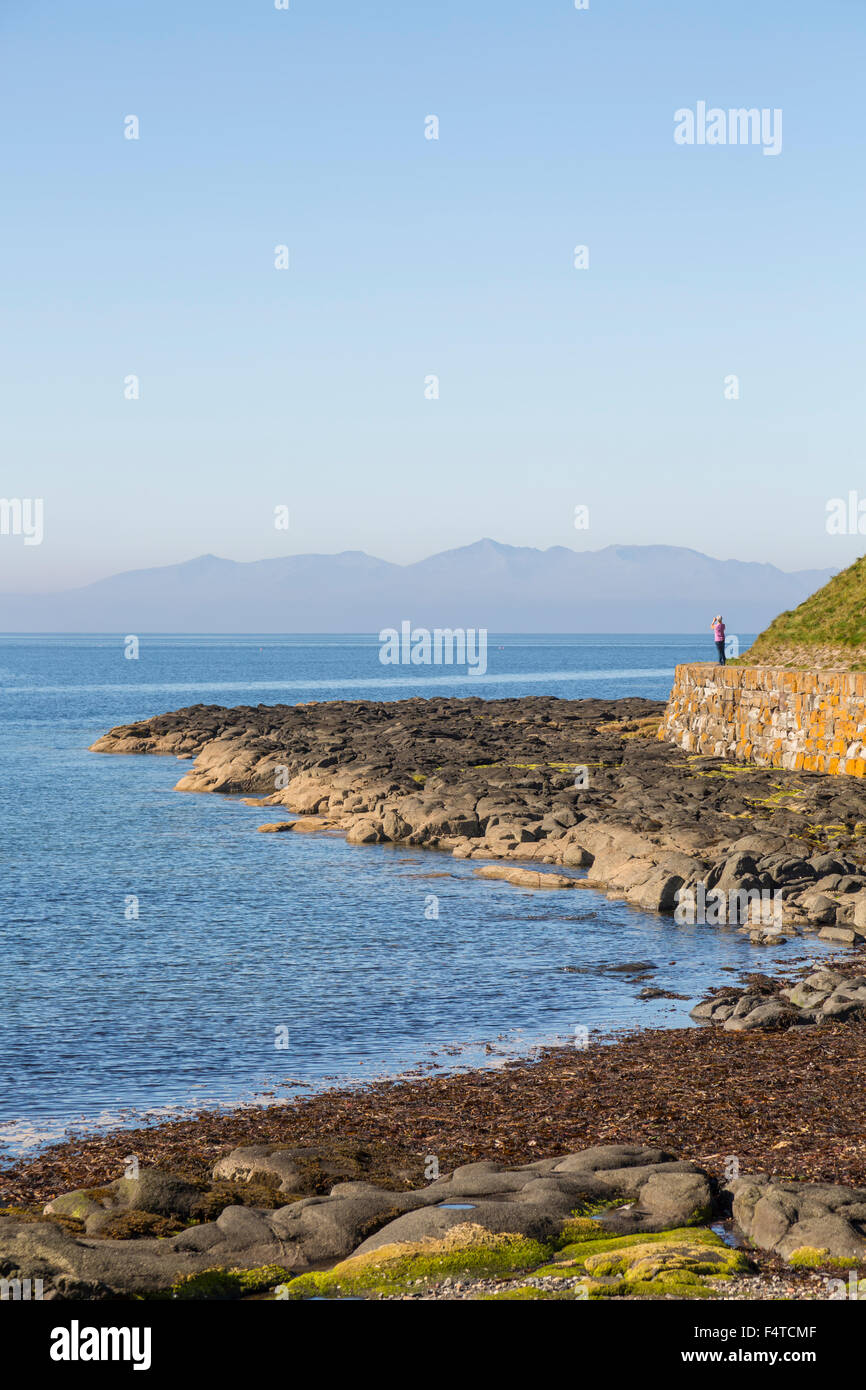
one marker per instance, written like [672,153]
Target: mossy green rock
[809,1257]
[682,1285]
[225,1284]
[667,1264]
[661,1258]
[466,1250]
[78,1205]
[578,1244]
[663,1265]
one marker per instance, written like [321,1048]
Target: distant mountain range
[504,588]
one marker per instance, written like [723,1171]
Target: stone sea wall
[814,721]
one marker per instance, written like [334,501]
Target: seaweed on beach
[786,1103]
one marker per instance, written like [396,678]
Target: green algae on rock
[671,1263]
[225,1284]
[808,1257]
[466,1249]
[676,1253]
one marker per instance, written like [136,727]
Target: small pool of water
[728,1232]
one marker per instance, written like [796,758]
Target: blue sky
[411,257]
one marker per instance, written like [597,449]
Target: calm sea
[242,940]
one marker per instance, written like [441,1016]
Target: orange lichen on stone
[810,721]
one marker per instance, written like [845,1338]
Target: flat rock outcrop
[573,784]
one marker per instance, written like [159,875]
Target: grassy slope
[827,629]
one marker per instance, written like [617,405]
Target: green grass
[835,616]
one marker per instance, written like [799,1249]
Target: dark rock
[774,1014]
[787,1217]
[156,1191]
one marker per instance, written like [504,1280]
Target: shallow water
[108,1016]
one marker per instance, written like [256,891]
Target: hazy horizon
[400,564]
[487,585]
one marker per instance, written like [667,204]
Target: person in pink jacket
[719,635]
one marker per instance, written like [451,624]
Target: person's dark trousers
[720,648]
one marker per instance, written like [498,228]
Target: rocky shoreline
[820,996]
[642,1168]
[614,1220]
[546,783]
[519,1183]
